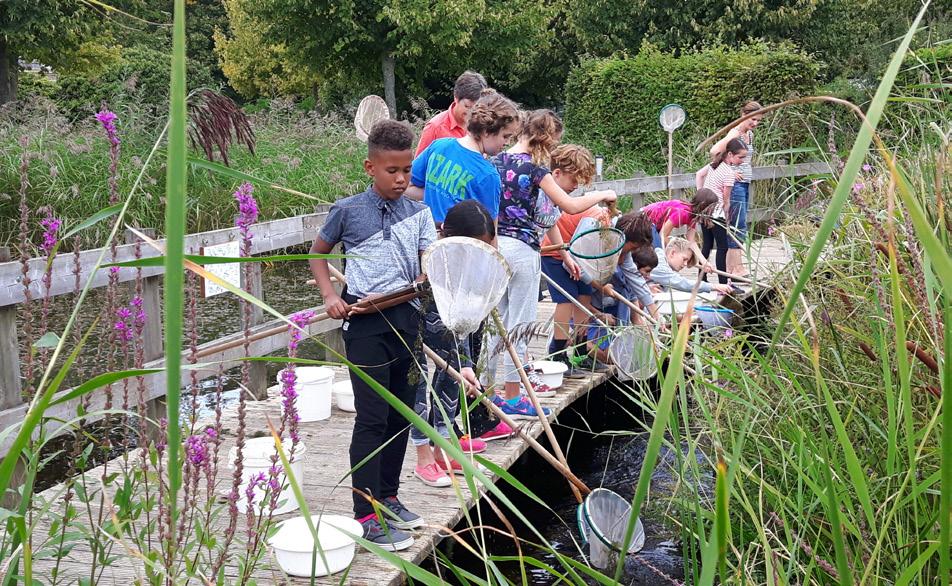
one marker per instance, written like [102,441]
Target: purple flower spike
[50,226]
[196,449]
[108,120]
[858,187]
[247,207]
[867,168]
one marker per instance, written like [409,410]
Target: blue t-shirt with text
[450,173]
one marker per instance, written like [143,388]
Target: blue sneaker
[497,400]
[522,410]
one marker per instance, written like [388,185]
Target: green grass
[318,156]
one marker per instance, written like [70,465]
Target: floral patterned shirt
[525,211]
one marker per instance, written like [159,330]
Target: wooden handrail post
[10,383]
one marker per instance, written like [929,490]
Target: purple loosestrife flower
[867,168]
[50,226]
[108,120]
[123,328]
[289,376]
[253,483]
[196,449]
[858,187]
[247,207]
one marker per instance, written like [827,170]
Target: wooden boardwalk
[327,488]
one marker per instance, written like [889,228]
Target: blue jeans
[655,237]
[740,202]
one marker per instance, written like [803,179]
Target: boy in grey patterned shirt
[382,233]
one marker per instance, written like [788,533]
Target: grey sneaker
[388,538]
[398,515]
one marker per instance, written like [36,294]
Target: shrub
[614,103]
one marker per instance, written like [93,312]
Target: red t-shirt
[567,224]
[443,125]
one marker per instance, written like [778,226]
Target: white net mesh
[632,350]
[602,519]
[372,109]
[468,278]
[597,251]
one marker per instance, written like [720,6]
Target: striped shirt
[716,180]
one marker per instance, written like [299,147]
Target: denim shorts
[655,237]
[740,202]
[552,267]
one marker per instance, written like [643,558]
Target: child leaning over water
[440,407]
[383,234]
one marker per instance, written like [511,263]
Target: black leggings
[716,234]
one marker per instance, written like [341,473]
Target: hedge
[614,103]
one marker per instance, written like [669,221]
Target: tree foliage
[48,30]
[422,39]
[253,66]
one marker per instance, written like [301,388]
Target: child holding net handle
[440,402]
[531,203]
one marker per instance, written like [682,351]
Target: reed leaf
[174,285]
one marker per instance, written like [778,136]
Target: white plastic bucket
[344,395]
[314,384]
[294,544]
[256,458]
[714,317]
[551,372]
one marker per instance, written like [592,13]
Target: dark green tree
[47,30]
[406,38]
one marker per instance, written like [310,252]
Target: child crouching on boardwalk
[675,257]
[383,234]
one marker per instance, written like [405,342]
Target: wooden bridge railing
[268,237]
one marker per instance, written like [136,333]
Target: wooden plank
[10,383]
[269,236]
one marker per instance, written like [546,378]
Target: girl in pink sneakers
[439,403]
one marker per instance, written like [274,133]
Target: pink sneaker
[455,467]
[501,431]
[471,446]
[432,475]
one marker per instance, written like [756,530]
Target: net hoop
[630,344]
[372,109]
[605,254]
[468,279]
[587,526]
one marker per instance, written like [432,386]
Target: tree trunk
[8,73]
[389,82]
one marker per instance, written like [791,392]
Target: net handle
[602,254]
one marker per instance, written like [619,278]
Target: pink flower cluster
[124,326]
[108,121]
[247,208]
[196,447]
[50,226]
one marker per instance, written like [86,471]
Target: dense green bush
[614,103]
[140,77]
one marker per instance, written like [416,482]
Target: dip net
[596,251]
[602,519]
[633,352]
[468,278]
